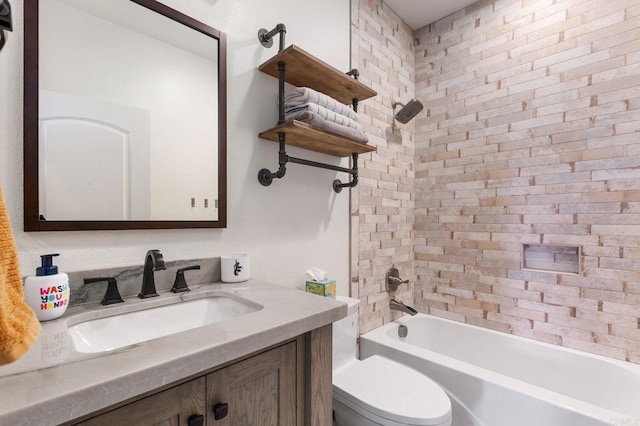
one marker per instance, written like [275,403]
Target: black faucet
[153,262]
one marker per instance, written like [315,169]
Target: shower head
[408,111]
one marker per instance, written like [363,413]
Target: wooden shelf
[305,70]
[312,138]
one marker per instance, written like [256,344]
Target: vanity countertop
[52,383]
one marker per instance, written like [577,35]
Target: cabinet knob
[220,410]
[195,420]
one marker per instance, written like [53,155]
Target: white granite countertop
[53,383]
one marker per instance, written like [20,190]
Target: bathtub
[496,379]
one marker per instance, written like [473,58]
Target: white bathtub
[496,379]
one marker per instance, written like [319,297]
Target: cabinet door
[259,391]
[168,408]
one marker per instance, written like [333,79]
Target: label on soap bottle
[47,295]
[52,297]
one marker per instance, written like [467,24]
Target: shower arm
[394,105]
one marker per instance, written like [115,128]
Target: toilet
[377,390]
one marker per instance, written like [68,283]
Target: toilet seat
[388,392]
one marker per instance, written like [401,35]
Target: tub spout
[396,305]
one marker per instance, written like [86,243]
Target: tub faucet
[153,262]
[396,305]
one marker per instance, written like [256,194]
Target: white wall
[286,228]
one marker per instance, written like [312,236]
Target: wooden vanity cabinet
[271,388]
[171,407]
[260,390]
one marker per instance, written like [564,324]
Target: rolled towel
[316,121]
[19,327]
[328,115]
[304,95]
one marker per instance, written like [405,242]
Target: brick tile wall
[382,205]
[530,136]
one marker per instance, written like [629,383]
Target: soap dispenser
[48,292]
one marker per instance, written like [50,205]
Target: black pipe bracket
[266,37]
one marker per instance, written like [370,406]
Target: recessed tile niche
[551,258]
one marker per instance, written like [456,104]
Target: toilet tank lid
[352,304]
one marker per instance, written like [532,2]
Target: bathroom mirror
[125,117]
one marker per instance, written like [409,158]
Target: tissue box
[326,288]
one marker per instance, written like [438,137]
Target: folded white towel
[304,95]
[319,122]
[328,115]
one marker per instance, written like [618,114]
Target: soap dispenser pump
[47,293]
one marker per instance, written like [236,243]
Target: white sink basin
[122,330]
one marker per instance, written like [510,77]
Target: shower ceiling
[418,13]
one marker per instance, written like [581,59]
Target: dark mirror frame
[32,221]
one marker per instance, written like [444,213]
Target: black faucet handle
[189,268]
[112,295]
[180,284]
